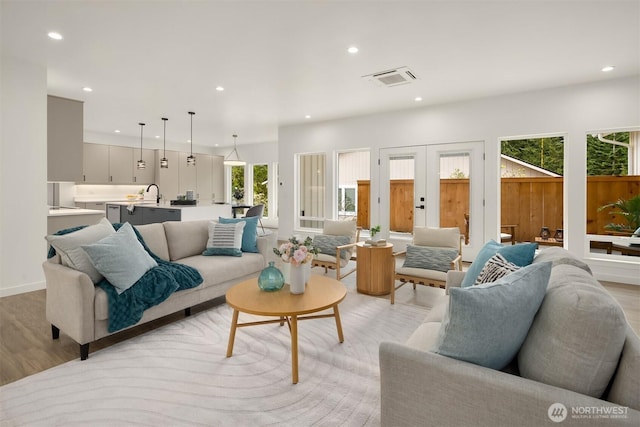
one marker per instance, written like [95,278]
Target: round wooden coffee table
[321,293]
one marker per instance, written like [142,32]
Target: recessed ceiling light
[87,89]
[157,136]
[188,140]
[307,116]
[117,131]
[608,68]
[215,145]
[219,88]
[55,36]
[417,98]
[352,49]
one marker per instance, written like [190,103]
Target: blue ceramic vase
[271,279]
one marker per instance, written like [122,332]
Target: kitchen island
[139,213]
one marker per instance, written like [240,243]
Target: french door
[438,185]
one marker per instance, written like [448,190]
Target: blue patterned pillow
[326,244]
[487,324]
[225,239]
[428,258]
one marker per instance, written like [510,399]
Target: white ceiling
[281,60]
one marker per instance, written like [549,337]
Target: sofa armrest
[416,386]
[454,279]
[70,301]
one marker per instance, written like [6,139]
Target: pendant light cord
[164,137]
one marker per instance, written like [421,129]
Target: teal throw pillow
[327,244]
[250,233]
[429,258]
[120,258]
[520,254]
[225,239]
[487,324]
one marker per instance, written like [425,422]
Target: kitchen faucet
[157,191]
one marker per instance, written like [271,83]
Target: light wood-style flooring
[26,346]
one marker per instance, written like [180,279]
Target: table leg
[336,314]
[294,349]
[232,332]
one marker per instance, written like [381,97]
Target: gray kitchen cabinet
[99,206]
[146,175]
[95,164]
[204,180]
[217,178]
[65,136]
[151,215]
[167,178]
[120,165]
[187,174]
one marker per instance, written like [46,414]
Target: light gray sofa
[419,387]
[79,308]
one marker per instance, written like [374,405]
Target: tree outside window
[237,183]
[261,187]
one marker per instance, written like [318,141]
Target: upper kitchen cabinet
[187,174]
[65,136]
[146,175]
[204,167]
[120,165]
[218,178]
[167,178]
[95,164]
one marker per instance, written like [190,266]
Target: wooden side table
[374,269]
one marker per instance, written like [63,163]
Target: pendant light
[191,161]
[232,160]
[164,162]
[141,163]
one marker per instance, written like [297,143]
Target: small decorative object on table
[271,279]
[545,233]
[558,235]
[296,254]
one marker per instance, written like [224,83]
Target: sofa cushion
[429,258]
[577,336]
[625,388]
[495,268]
[225,239]
[219,269]
[425,336]
[68,246]
[486,324]
[249,234]
[120,258]
[520,254]
[155,239]
[186,238]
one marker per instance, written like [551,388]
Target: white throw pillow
[68,246]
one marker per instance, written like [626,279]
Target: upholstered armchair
[337,245]
[432,252]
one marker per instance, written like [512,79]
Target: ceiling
[279,61]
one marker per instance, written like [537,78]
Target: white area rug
[178,374]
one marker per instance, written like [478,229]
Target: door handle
[420,207]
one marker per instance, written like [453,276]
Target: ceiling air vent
[394,77]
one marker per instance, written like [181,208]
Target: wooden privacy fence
[530,203]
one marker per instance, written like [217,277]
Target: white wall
[23,175]
[572,111]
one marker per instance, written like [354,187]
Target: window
[532,186]
[311,190]
[237,184]
[353,186]
[613,191]
[261,187]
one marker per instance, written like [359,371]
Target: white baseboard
[21,289]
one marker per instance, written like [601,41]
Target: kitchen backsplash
[91,193]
